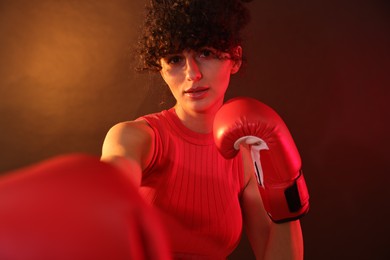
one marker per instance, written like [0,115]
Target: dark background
[66,78]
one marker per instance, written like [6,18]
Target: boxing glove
[76,207]
[280,179]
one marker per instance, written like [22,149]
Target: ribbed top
[196,189]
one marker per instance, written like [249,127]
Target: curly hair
[172,26]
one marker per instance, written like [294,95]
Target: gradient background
[66,78]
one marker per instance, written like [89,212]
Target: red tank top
[195,188]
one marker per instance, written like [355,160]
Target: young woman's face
[198,79]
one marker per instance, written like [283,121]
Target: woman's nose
[193,71]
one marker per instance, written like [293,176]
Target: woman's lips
[198,92]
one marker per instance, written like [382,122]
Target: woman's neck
[197,122]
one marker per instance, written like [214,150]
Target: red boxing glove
[281,182]
[76,207]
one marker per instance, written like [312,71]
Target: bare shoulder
[126,131]
[131,139]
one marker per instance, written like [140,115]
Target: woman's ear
[237,61]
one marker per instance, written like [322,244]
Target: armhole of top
[157,146]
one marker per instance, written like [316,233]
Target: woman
[203,198]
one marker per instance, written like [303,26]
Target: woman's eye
[174,60]
[206,53]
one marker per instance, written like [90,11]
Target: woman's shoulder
[133,140]
[130,129]
[128,135]
[141,131]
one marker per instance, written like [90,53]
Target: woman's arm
[129,146]
[285,241]
[268,239]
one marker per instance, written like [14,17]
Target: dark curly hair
[172,26]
